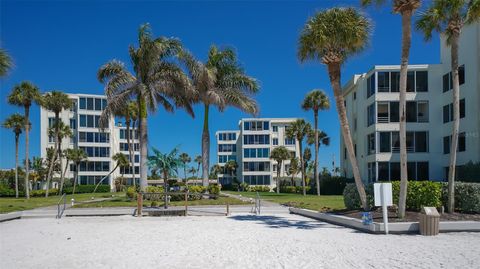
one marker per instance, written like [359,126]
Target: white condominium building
[250,147]
[372,99]
[99,145]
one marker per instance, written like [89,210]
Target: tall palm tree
[185,160]
[25,94]
[15,122]
[448,17]
[76,156]
[121,161]
[56,102]
[405,8]
[220,82]
[166,164]
[131,118]
[316,100]
[294,169]
[199,160]
[157,80]
[317,137]
[5,62]
[64,131]
[298,130]
[279,154]
[331,36]
[192,171]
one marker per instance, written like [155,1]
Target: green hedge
[41,193]
[87,189]
[6,191]
[420,194]
[292,189]
[332,185]
[259,188]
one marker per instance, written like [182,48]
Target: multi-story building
[372,100]
[99,144]
[250,147]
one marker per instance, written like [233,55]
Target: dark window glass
[394,171]
[462,108]
[394,112]
[410,81]
[409,141]
[355,96]
[90,120]
[371,114]
[383,81]
[422,171]
[265,125]
[90,103]
[371,144]
[83,121]
[421,141]
[246,125]
[383,173]
[446,144]
[411,167]
[461,74]
[82,137]
[422,81]
[275,141]
[385,145]
[411,111]
[90,137]
[446,114]
[445,80]
[104,103]
[395,142]
[461,142]
[83,104]
[98,104]
[395,77]
[371,85]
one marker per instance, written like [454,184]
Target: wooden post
[139,204]
[228,210]
[186,203]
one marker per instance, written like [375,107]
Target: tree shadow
[281,222]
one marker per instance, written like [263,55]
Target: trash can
[429,221]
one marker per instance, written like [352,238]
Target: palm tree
[298,130]
[199,160]
[131,118]
[406,8]
[16,122]
[321,138]
[220,82]
[279,154]
[185,160]
[76,156]
[316,100]
[448,18]
[293,169]
[56,102]
[331,36]
[215,170]
[166,164]
[5,62]
[158,80]
[38,165]
[24,95]
[121,161]
[231,166]
[64,131]
[192,171]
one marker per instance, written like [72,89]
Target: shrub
[40,193]
[332,185]
[243,186]
[88,189]
[153,204]
[5,191]
[259,188]
[352,199]
[131,192]
[214,189]
[198,189]
[467,196]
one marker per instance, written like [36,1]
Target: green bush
[259,188]
[352,199]
[214,189]
[131,192]
[153,204]
[197,189]
[6,191]
[87,189]
[467,196]
[41,193]
[331,185]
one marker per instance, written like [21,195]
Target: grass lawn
[313,202]
[125,202]
[9,204]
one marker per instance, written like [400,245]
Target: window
[371,172]
[289,141]
[73,124]
[246,126]
[461,142]
[383,81]
[421,81]
[448,111]
[83,103]
[422,171]
[345,153]
[409,139]
[395,142]
[383,171]
[371,114]
[394,112]
[104,103]
[382,113]
[227,148]
[83,121]
[411,111]
[446,84]
[90,103]
[257,180]
[275,141]
[95,166]
[90,121]
[96,151]
[394,171]
[98,104]
[275,129]
[422,111]
[410,81]
[371,85]
[461,74]
[448,79]
[371,144]
[385,145]
[256,139]
[256,166]
[395,77]
[256,125]
[421,141]
[462,108]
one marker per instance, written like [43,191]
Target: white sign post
[383,197]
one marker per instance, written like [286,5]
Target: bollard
[139,204]
[228,210]
[186,203]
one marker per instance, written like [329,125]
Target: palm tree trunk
[27,148]
[456,123]
[278,176]
[63,177]
[315,168]
[406,41]
[77,166]
[185,173]
[205,148]
[54,156]
[62,173]
[100,182]
[302,168]
[16,164]
[334,75]
[130,149]
[165,186]
[143,143]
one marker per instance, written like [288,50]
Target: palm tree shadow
[281,222]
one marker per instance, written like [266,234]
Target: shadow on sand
[281,222]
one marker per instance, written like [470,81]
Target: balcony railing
[383,119]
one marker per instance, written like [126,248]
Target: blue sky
[59,45]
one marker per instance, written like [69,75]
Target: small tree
[166,164]
[76,156]
[279,154]
[298,130]
[231,166]
[294,169]
[122,161]
[185,160]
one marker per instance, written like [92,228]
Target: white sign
[386,188]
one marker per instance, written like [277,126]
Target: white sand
[239,241]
